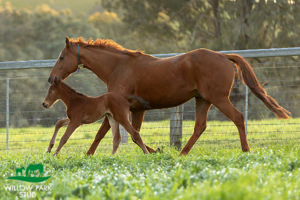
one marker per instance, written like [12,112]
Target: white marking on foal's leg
[116,133]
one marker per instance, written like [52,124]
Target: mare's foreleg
[100,134]
[137,120]
[70,129]
[59,124]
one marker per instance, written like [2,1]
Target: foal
[82,109]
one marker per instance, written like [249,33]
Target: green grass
[266,173]
[215,168]
[260,134]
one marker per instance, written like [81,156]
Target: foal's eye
[61,58]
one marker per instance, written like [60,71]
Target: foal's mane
[105,44]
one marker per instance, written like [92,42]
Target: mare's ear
[56,81]
[67,42]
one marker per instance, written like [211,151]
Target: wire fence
[30,126]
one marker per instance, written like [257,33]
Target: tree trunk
[246,9]
[217,19]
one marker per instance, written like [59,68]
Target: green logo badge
[33,174]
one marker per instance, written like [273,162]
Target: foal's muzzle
[50,80]
[45,105]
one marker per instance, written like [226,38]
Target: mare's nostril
[44,105]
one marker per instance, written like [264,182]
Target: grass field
[218,134]
[216,168]
[266,173]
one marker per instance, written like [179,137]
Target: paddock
[25,124]
[216,168]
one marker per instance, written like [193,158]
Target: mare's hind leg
[137,120]
[116,134]
[99,136]
[226,107]
[59,124]
[202,107]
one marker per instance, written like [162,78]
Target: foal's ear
[67,42]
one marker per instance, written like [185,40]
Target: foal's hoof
[158,150]
[246,150]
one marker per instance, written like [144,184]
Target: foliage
[153,26]
[213,24]
[38,34]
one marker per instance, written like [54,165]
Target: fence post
[7,111]
[246,110]
[176,126]
[124,134]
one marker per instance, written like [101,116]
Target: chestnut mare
[82,109]
[150,83]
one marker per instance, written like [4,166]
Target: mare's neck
[100,61]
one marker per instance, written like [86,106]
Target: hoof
[158,150]
[183,153]
[246,150]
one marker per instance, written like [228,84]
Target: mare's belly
[163,99]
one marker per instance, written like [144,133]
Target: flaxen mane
[105,44]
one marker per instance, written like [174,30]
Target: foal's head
[53,94]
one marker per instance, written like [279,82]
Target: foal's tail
[246,74]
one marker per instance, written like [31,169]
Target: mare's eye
[61,58]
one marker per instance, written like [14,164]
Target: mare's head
[53,94]
[66,64]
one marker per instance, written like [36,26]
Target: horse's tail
[247,76]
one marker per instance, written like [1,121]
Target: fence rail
[176,127]
[251,53]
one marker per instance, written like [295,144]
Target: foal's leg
[137,120]
[135,135]
[70,129]
[202,107]
[59,124]
[116,134]
[99,136]
[226,107]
